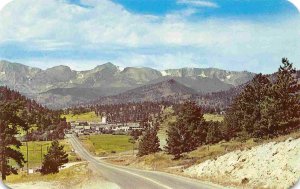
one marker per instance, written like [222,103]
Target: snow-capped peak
[164,73]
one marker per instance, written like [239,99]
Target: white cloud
[144,40]
[3,3]
[296,3]
[198,3]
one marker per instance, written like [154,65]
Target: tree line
[124,113]
[267,107]
[133,112]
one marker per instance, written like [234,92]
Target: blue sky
[239,35]
[232,8]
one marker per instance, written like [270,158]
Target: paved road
[128,178]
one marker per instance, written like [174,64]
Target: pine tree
[55,158]
[214,134]
[254,99]
[231,125]
[188,132]
[267,107]
[10,123]
[286,99]
[245,117]
[149,142]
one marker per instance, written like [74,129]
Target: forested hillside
[42,123]
[125,113]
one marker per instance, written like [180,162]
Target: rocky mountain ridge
[72,86]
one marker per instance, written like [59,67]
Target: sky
[238,35]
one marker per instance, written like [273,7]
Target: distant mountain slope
[229,77]
[199,84]
[64,97]
[61,86]
[166,90]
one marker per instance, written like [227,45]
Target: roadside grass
[65,177]
[163,162]
[213,117]
[106,144]
[157,161]
[88,144]
[90,116]
[34,152]
[213,151]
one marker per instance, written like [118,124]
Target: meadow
[37,150]
[213,117]
[82,174]
[89,116]
[106,144]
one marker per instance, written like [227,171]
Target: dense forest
[137,111]
[43,123]
[125,113]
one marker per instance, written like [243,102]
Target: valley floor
[251,164]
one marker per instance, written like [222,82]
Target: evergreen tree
[285,109]
[245,116]
[10,123]
[189,130]
[149,142]
[254,100]
[214,134]
[231,125]
[55,158]
[267,107]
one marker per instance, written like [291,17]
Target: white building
[103,120]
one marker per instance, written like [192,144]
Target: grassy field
[82,174]
[213,117]
[34,152]
[106,144]
[90,116]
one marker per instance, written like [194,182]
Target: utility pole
[41,155]
[27,152]
[132,141]
[133,149]
[41,150]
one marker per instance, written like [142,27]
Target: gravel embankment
[272,165]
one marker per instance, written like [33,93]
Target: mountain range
[60,86]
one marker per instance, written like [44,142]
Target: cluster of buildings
[86,128]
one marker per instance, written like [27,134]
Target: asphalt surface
[128,178]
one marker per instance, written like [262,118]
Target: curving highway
[128,178]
